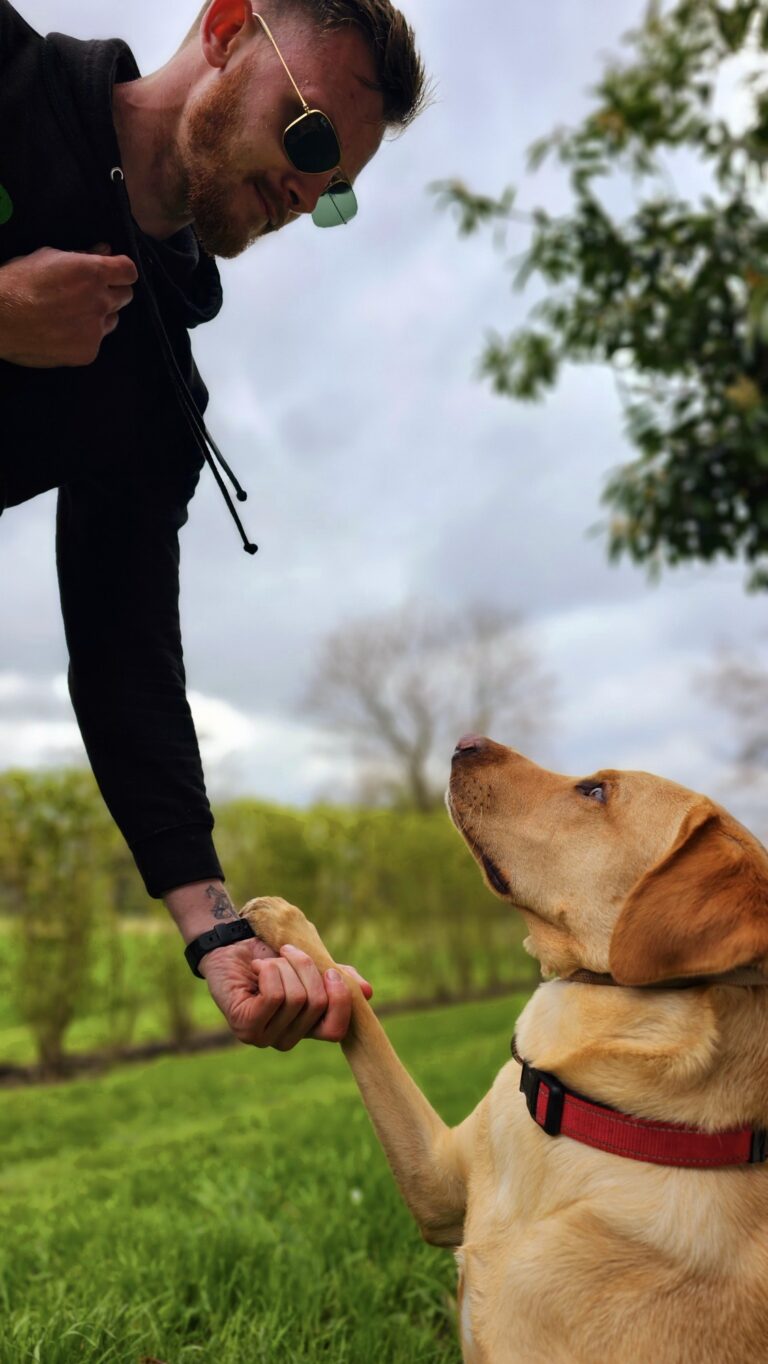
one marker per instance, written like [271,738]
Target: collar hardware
[539,1084]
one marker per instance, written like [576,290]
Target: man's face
[237,179]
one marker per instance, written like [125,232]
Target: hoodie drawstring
[203,438]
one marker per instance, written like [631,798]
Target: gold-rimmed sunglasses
[311,144]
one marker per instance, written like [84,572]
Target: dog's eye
[594,790]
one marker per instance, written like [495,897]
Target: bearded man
[116,193]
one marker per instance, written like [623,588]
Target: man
[115,193]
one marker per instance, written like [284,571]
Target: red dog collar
[559,1111]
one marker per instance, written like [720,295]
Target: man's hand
[267,1000]
[56,307]
[275,1001]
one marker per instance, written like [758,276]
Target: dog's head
[621,872]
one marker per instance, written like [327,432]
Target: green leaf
[758,580]
[734,23]
[669,290]
[472,210]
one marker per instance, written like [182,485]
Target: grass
[232,1208]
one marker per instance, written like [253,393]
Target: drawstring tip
[251,549]
[242,496]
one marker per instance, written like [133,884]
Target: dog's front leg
[428,1159]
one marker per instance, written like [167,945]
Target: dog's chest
[559,1236]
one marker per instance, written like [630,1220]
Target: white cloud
[222,729]
[243,752]
[37,728]
[40,743]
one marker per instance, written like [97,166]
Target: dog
[647,907]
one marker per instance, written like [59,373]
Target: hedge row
[396,893]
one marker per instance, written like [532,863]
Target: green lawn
[232,1208]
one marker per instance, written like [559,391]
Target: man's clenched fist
[268,1000]
[56,307]
[275,1001]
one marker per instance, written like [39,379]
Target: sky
[344,392]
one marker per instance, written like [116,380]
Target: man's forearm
[199,907]
[118,565]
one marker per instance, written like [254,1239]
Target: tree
[56,842]
[739,684]
[673,295]
[401,687]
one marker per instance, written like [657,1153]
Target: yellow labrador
[655,902]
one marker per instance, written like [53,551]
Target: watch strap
[223,935]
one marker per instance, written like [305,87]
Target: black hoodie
[122,439]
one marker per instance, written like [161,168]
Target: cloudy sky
[342,374]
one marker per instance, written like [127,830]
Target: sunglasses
[312,146]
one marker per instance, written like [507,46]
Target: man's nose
[303,192]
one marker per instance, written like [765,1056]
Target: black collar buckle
[531,1081]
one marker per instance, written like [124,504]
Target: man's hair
[400,75]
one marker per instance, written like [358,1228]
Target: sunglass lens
[338,205]
[311,143]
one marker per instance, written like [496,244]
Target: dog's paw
[277,922]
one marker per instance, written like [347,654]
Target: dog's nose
[469,743]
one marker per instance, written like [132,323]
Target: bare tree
[400,687]
[739,683]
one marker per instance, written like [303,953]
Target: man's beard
[213,124]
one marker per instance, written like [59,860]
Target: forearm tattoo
[222,907]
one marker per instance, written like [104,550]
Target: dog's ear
[701,910]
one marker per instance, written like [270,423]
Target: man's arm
[117,555]
[118,562]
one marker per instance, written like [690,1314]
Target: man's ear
[701,910]
[222,26]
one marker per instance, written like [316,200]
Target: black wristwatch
[220,936]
